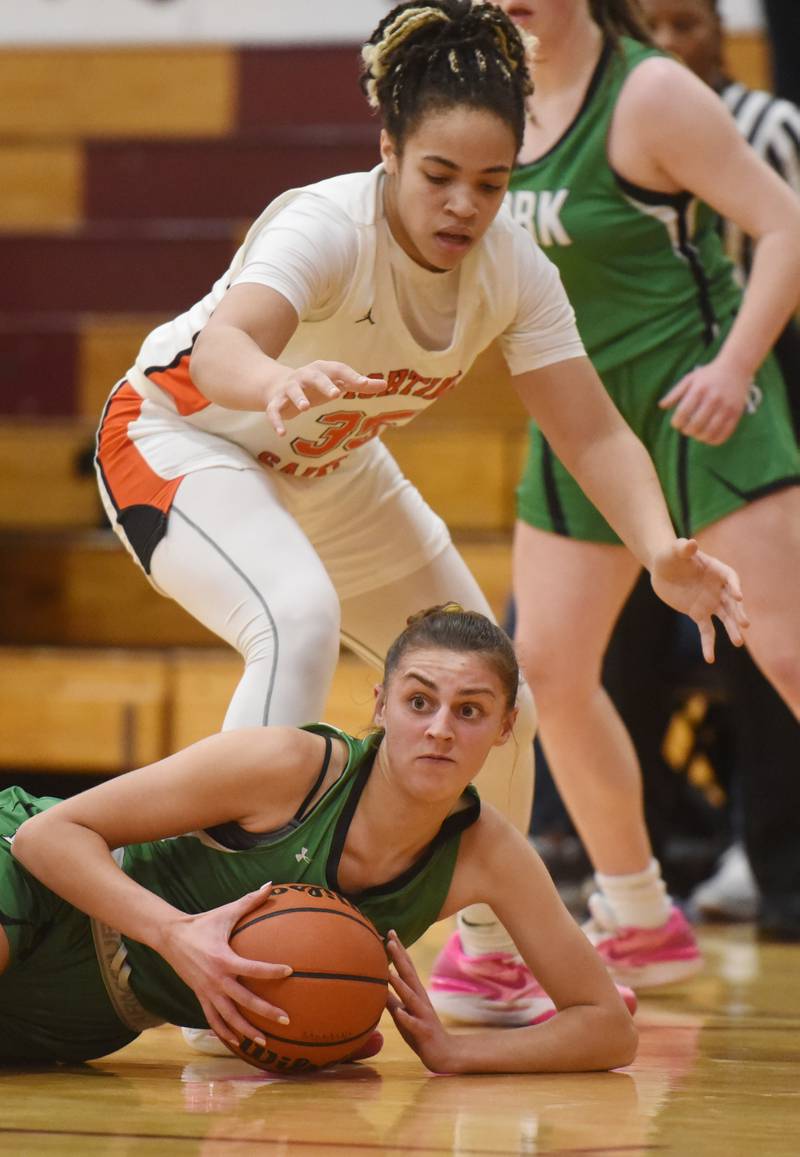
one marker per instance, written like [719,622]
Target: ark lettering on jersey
[540,214]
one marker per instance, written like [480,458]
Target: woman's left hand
[700,586]
[708,402]
[413,1013]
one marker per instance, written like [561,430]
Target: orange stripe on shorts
[128,478]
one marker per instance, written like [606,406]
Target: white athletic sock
[482,932]
[638,899]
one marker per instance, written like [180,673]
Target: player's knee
[305,622]
[563,687]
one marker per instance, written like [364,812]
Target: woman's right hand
[197,947]
[414,1015]
[313,385]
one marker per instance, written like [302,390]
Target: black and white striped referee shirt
[772,127]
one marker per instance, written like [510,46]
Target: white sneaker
[731,893]
[205,1040]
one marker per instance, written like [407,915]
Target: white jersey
[505,288]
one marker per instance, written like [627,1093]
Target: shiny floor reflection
[718,1072]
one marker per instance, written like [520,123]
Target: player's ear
[507,727]
[389,153]
[377,714]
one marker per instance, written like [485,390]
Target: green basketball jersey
[206,869]
[640,267]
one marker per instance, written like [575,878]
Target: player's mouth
[453,240]
[521,12]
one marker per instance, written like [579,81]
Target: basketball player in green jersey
[96,945]
[622,149]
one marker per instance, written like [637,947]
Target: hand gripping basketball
[198,949]
[334,992]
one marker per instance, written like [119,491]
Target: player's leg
[569,594]
[762,541]
[239,563]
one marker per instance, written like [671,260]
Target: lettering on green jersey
[540,214]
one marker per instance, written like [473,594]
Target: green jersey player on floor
[97,945]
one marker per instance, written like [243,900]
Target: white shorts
[366,521]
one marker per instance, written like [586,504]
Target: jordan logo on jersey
[540,213]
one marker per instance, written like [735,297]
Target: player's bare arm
[721,169]
[235,359]
[592,1028]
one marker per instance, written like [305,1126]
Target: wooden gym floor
[716,1076]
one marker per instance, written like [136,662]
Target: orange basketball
[335,995]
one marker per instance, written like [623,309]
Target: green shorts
[701,483]
[53,1002]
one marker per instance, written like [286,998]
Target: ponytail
[620,18]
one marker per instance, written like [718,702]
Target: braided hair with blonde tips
[428,57]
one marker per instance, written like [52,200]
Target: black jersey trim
[453,824]
[97,462]
[758,491]
[554,505]
[681,203]
[301,811]
[344,821]
[235,838]
[683,486]
[597,77]
[175,361]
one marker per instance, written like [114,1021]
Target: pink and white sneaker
[496,989]
[644,957]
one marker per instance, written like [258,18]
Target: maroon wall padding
[218,178]
[38,367]
[300,86]
[112,270]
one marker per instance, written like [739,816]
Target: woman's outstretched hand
[198,949]
[413,1013]
[700,586]
[313,385]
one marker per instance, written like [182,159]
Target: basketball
[335,995]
